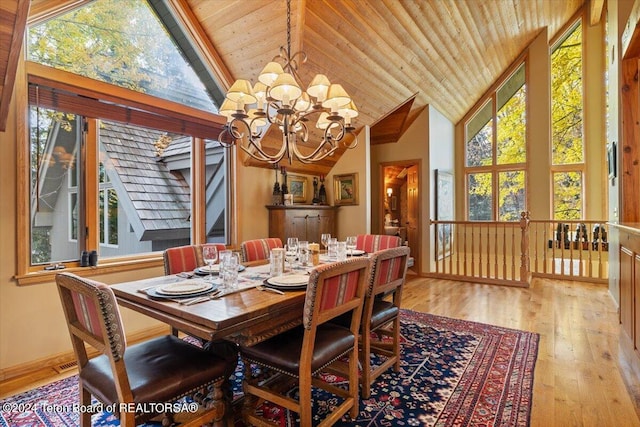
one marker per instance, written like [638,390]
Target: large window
[115,171]
[567,165]
[496,153]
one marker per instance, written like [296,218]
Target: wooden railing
[511,253]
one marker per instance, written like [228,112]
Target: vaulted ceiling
[394,57]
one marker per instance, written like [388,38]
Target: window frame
[495,169]
[581,168]
[139,107]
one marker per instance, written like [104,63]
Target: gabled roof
[157,201]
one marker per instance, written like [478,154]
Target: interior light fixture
[277,98]
[389,191]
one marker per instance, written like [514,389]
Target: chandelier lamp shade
[277,98]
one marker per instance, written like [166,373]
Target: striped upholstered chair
[375,242]
[186,258]
[300,354]
[381,314]
[162,369]
[258,249]
[181,258]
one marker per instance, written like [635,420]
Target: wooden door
[413,220]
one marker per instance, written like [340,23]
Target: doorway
[400,204]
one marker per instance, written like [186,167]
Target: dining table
[245,315]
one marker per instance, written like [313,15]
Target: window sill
[47,276]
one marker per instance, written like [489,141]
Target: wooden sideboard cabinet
[630,285]
[306,222]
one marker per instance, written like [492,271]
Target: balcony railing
[511,253]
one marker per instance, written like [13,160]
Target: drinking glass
[303,252]
[351,245]
[210,256]
[332,245]
[341,251]
[324,239]
[291,253]
[229,271]
[223,256]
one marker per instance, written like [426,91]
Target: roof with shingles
[158,198]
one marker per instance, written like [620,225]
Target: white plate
[355,252]
[215,268]
[184,287]
[289,280]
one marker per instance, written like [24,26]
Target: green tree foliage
[510,143]
[566,125]
[119,42]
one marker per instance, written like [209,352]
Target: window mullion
[91,188]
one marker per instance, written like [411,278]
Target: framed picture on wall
[345,189]
[298,187]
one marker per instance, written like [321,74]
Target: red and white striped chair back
[371,243]
[258,249]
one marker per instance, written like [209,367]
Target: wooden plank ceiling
[394,57]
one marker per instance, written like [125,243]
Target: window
[567,165]
[114,171]
[496,153]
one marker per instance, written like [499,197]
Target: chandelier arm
[263,157]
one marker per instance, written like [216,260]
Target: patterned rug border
[471,373]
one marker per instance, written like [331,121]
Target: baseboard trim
[68,357]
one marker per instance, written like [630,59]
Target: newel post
[525,273]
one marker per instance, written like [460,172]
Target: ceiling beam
[199,36]
[595,11]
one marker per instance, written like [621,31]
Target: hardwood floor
[582,375]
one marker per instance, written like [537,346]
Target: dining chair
[185,258]
[152,374]
[381,315]
[300,354]
[181,258]
[258,249]
[374,242]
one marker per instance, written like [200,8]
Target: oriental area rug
[453,373]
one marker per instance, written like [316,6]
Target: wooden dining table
[247,316]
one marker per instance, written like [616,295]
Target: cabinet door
[313,227]
[626,291]
[327,224]
[297,226]
[636,281]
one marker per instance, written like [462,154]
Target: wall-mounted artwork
[346,189]
[297,187]
[444,212]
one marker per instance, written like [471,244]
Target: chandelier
[277,99]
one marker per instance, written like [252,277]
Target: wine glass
[351,245]
[210,256]
[291,252]
[325,240]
